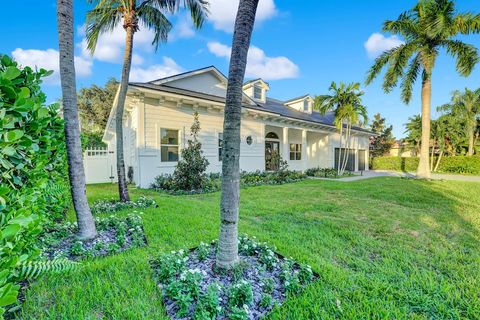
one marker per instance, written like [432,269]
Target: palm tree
[466,105]
[346,104]
[134,14]
[227,254]
[76,174]
[430,26]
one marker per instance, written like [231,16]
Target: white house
[159,113]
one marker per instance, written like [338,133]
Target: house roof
[297,98]
[271,105]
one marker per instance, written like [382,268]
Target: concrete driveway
[385,173]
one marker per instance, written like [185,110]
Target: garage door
[350,161]
[361,160]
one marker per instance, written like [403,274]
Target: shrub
[326,173]
[240,294]
[457,164]
[190,171]
[212,182]
[113,205]
[32,162]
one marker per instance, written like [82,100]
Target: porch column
[286,146]
[304,150]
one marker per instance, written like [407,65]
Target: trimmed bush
[32,166]
[458,164]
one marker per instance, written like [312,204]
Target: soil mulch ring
[115,234]
[258,263]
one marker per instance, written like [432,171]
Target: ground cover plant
[330,173]
[192,287]
[114,205]
[390,247]
[115,235]
[212,182]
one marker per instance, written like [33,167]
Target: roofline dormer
[256,89]
[303,103]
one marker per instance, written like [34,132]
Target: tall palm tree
[76,174]
[227,254]
[428,27]
[466,105]
[346,104]
[134,14]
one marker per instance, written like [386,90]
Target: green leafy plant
[268,285]
[266,300]
[305,274]
[112,205]
[32,160]
[208,306]
[170,265]
[240,294]
[203,250]
[238,313]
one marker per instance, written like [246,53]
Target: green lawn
[384,248]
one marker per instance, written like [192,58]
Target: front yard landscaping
[383,248]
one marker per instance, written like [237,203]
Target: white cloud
[223,13]
[167,68]
[259,65]
[49,60]
[377,43]
[182,28]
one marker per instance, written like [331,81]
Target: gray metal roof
[271,105]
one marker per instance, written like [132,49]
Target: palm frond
[466,23]
[102,19]
[34,269]
[152,18]
[466,55]
[380,62]
[409,79]
[398,61]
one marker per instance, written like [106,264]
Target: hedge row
[459,164]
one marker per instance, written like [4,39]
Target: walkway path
[384,173]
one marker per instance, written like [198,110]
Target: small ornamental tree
[190,171]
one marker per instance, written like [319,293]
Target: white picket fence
[100,165]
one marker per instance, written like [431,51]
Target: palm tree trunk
[438,160]
[339,166]
[76,173]
[347,148]
[432,155]
[423,170]
[227,254]
[127,62]
[471,141]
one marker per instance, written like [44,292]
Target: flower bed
[330,173]
[193,289]
[114,235]
[212,182]
[113,205]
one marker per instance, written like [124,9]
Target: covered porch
[301,148]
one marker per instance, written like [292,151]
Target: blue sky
[298,49]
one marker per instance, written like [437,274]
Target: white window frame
[297,153]
[306,105]
[170,145]
[259,87]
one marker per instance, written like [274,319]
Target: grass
[384,248]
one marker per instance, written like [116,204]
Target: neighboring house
[158,116]
[403,149]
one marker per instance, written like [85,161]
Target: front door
[272,155]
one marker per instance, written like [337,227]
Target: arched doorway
[272,152]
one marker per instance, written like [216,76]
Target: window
[271,135]
[305,105]
[168,145]
[257,92]
[220,146]
[295,151]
